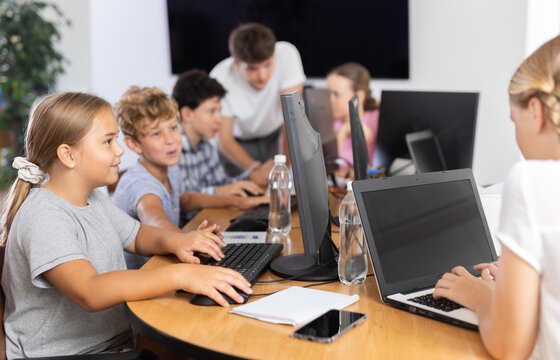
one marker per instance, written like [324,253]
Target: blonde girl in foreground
[521,308]
[64,274]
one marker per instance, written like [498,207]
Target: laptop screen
[419,227]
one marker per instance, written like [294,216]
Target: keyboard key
[440,304]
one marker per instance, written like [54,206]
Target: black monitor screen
[451,116]
[424,230]
[327,33]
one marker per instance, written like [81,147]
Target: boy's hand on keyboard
[206,239]
[260,175]
[214,280]
[465,289]
[239,188]
[246,203]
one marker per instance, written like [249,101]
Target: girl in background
[64,274]
[521,308]
[343,82]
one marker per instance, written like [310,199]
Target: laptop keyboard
[442,304]
[257,213]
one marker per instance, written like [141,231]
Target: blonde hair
[139,107]
[539,76]
[360,78]
[56,119]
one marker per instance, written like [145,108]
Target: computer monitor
[425,151]
[360,155]
[319,114]
[318,262]
[451,116]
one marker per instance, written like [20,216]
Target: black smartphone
[329,326]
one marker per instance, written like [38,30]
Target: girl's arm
[507,309]
[151,240]
[509,326]
[197,201]
[80,282]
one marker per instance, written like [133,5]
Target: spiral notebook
[294,305]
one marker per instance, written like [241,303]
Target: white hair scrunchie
[27,171]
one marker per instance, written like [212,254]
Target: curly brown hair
[139,107]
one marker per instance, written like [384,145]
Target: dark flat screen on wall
[327,33]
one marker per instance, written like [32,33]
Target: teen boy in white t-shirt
[257,73]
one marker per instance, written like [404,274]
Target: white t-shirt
[258,113]
[530,228]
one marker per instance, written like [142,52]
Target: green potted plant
[29,61]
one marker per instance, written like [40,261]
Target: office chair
[142,354]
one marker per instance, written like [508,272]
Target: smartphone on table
[329,326]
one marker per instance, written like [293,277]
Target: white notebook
[295,305]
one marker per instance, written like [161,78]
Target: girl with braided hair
[517,300]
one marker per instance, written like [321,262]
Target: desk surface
[212,332]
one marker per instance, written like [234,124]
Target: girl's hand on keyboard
[246,203]
[213,281]
[465,289]
[206,239]
[492,268]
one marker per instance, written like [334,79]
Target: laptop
[419,227]
[425,151]
[319,113]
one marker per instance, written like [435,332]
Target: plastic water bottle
[280,186]
[352,261]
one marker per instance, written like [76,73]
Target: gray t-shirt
[136,183]
[47,231]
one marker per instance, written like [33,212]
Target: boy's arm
[230,147]
[197,201]
[150,212]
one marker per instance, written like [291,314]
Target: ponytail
[17,194]
[370,103]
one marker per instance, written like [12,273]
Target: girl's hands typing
[207,240]
[214,280]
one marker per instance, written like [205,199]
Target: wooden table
[211,332]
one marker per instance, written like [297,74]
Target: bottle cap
[349,186]
[280,158]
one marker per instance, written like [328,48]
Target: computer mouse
[204,300]
[250,193]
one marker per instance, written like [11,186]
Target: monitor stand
[322,267]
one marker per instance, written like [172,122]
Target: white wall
[471,45]
[75,44]
[454,45]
